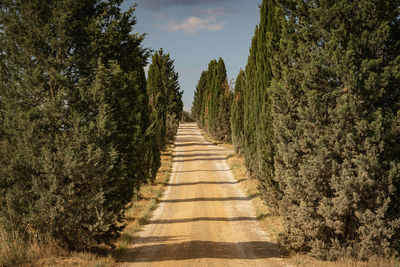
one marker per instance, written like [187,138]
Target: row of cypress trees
[76,129]
[316,114]
[165,101]
[212,100]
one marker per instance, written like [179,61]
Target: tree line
[316,115]
[211,104]
[81,128]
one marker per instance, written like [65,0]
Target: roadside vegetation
[81,127]
[316,116]
[272,223]
[16,251]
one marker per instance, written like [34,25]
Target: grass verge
[14,251]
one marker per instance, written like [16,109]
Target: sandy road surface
[203,219]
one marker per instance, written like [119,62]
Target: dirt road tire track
[203,219]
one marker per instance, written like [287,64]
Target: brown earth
[203,219]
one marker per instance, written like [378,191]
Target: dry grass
[14,251]
[306,261]
[143,206]
[272,224]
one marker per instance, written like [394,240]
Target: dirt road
[203,219]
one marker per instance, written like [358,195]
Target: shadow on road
[211,219]
[195,171]
[192,144]
[205,199]
[185,155]
[213,148]
[202,182]
[201,159]
[203,249]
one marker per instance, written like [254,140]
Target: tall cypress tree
[73,118]
[197,106]
[336,119]
[267,41]
[158,110]
[174,96]
[209,98]
[250,110]
[223,126]
[215,114]
[165,105]
[237,112]
[258,140]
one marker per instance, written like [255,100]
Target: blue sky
[197,31]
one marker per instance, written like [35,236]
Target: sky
[196,31]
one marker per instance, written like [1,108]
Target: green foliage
[212,102]
[258,140]
[316,114]
[174,97]
[158,111]
[74,113]
[197,106]
[165,105]
[251,103]
[237,117]
[336,124]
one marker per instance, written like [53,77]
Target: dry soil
[203,219]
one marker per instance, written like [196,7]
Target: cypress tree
[165,105]
[223,100]
[174,97]
[258,140]
[73,118]
[158,110]
[224,113]
[336,120]
[237,116]
[267,40]
[216,97]
[250,111]
[209,105]
[197,106]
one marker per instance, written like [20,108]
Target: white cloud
[193,24]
